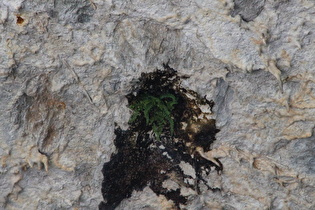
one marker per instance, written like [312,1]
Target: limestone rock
[66,66]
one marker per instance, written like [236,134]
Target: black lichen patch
[163,132]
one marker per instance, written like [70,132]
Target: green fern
[157,112]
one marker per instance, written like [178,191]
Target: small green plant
[157,112]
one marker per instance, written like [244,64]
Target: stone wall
[66,66]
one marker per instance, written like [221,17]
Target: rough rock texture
[66,66]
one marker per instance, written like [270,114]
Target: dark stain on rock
[19,20]
[41,114]
[143,160]
[84,14]
[247,9]
[21,106]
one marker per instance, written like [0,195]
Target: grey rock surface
[66,66]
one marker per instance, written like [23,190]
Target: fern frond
[156,111]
